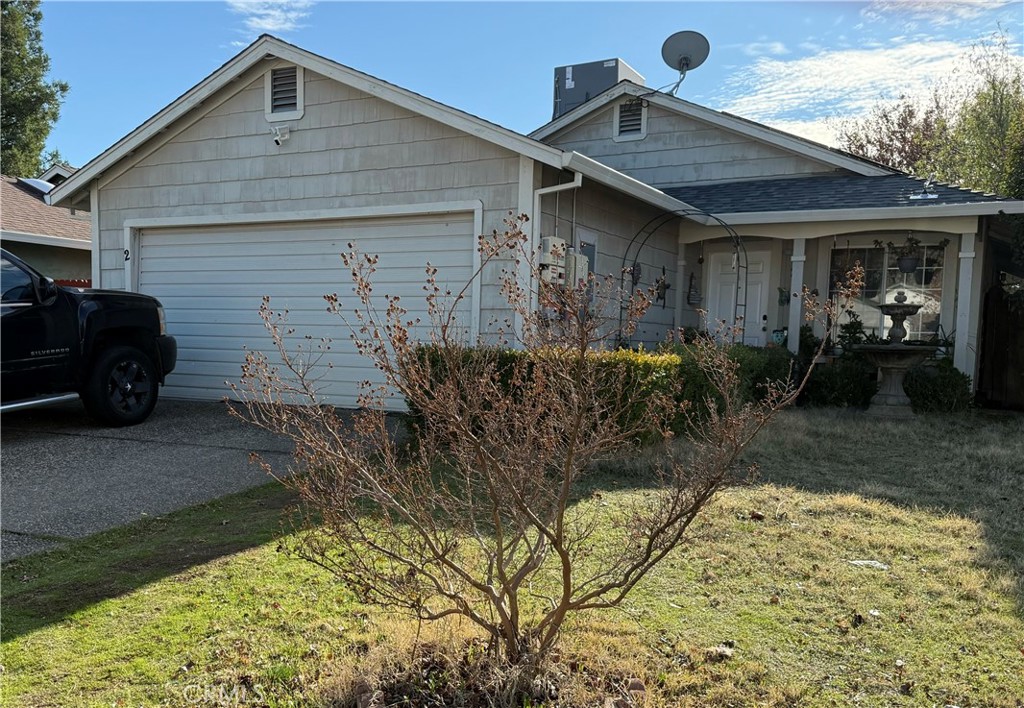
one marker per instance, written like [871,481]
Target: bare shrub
[488,517]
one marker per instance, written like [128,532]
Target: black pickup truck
[105,346]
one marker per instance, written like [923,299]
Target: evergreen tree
[29,104]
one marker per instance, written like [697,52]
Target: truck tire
[122,387]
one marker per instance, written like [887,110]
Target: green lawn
[200,608]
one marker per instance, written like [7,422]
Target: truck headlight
[163,320]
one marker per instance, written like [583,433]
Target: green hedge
[645,375]
[938,387]
[849,380]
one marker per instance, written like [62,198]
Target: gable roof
[26,217]
[726,121]
[58,173]
[267,45]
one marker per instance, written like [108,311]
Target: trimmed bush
[850,380]
[937,386]
[651,378]
[758,367]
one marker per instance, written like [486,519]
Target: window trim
[268,95]
[621,138]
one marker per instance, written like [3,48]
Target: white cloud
[817,130]
[806,95]
[835,82]
[757,49]
[935,12]
[272,16]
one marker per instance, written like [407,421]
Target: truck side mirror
[47,290]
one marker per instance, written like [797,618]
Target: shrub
[648,377]
[937,386]
[484,520]
[757,369]
[850,380]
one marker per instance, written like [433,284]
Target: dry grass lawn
[200,608]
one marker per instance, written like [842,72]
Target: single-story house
[55,240]
[254,180]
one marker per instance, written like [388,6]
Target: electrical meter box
[577,267]
[552,260]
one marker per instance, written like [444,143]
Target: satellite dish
[685,50]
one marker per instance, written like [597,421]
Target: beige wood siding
[616,220]
[680,150]
[349,150]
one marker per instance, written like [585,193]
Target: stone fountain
[894,359]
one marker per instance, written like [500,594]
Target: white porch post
[964,355]
[796,286]
[677,317]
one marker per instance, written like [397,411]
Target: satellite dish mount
[683,52]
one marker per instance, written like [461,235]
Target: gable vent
[284,90]
[631,116]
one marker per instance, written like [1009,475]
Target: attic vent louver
[284,90]
[631,115]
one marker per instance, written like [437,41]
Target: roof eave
[193,98]
[254,53]
[860,214]
[46,240]
[725,121]
[602,174]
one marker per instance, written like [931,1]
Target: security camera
[280,134]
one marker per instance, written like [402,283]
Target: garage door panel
[291,261]
[211,282]
[352,231]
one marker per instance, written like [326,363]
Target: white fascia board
[908,212]
[620,182]
[44,240]
[591,106]
[421,105]
[750,129]
[193,98]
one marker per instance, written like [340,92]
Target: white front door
[722,295]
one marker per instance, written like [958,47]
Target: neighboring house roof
[831,192]
[268,45]
[58,173]
[26,217]
[720,119]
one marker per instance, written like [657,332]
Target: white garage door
[211,281]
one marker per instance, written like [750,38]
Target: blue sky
[793,65]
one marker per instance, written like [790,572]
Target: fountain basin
[893,361]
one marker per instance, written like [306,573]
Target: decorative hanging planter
[908,254]
[908,264]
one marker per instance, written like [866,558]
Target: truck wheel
[122,387]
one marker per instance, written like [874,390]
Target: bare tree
[483,518]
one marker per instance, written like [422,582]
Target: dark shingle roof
[822,192]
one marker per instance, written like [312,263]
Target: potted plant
[908,253]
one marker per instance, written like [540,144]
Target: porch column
[796,289]
[677,316]
[963,354]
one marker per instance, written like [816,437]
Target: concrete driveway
[63,477]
